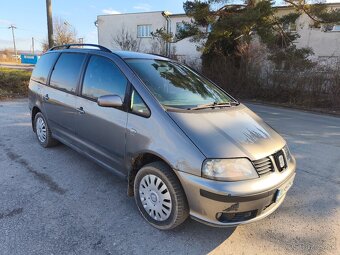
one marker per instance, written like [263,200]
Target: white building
[140,26]
[325,41]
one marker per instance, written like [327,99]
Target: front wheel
[160,197]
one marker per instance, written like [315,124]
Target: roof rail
[68,46]
[158,55]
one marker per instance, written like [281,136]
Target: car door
[59,98]
[101,130]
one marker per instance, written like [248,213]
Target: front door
[101,130]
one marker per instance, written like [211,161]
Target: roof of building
[130,13]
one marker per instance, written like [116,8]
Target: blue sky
[29,16]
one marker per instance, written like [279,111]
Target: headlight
[229,169]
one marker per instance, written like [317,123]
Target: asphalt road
[55,201]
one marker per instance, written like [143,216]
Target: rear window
[43,67]
[65,75]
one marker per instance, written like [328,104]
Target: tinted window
[66,72]
[102,77]
[138,106]
[43,67]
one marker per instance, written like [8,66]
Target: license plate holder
[283,190]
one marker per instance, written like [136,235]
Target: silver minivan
[185,146]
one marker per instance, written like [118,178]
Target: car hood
[229,132]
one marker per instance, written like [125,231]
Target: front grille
[264,166]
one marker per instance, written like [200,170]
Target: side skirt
[100,163]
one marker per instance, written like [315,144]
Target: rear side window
[43,67]
[66,72]
[103,77]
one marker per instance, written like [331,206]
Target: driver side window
[103,77]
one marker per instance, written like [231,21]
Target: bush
[13,83]
[252,76]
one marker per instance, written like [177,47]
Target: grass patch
[13,82]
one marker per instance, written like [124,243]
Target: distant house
[324,40]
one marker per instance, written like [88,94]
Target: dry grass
[13,83]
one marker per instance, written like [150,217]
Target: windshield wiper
[211,105]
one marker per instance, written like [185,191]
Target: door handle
[80,110]
[46,97]
[132,131]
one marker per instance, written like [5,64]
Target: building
[139,26]
[324,40]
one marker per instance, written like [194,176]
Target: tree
[125,41]
[64,33]
[221,28]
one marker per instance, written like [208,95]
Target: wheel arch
[138,162]
[35,110]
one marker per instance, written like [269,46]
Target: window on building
[336,28]
[65,75]
[180,26]
[331,28]
[144,31]
[43,67]
[209,28]
[103,77]
[289,27]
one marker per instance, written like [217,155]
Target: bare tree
[125,41]
[63,33]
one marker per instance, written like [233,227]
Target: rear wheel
[160,197]
[43,131]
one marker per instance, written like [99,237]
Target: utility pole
[15,48]
[49,23]
[33,45]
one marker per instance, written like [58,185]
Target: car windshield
[175,85]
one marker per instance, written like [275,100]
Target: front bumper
[230,204]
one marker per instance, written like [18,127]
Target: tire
[43,131]
[160,197]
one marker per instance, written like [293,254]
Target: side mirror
[110,101]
